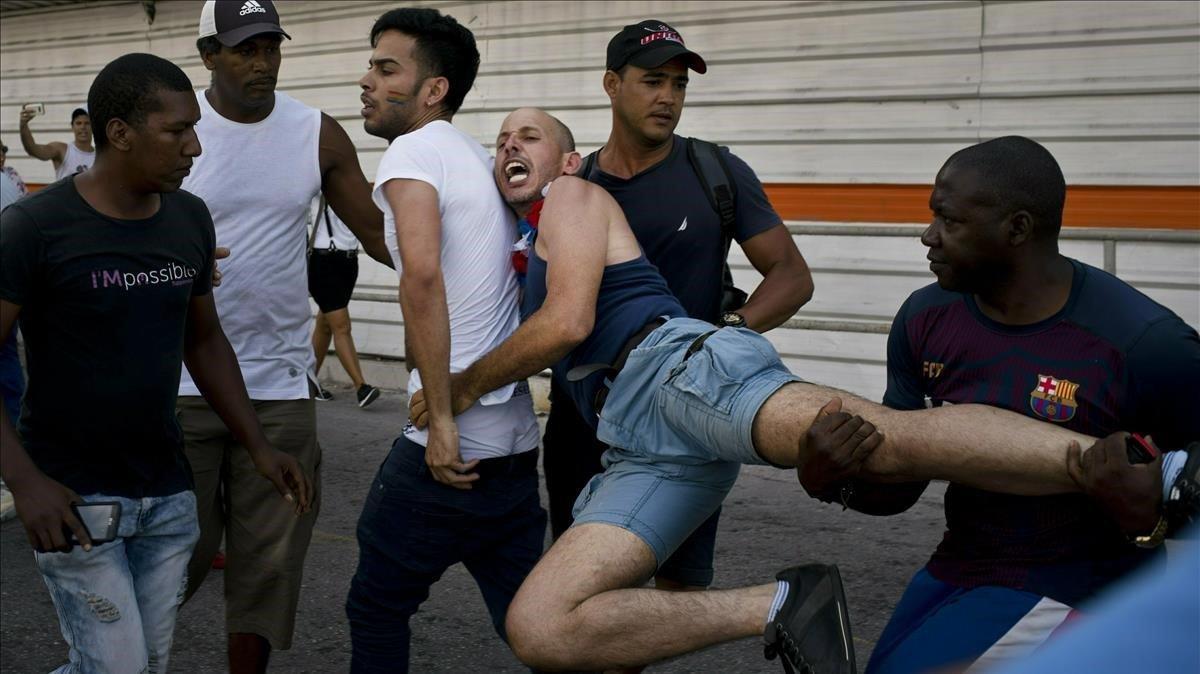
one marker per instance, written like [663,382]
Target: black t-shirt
[103,307]
[680,232]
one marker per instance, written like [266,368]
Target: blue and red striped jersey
[1112,359]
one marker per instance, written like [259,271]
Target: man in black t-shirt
[647,170]
[110,272]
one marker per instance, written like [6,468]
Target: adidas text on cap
[649,44]
[234,21]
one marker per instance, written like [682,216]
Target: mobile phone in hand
[38,108]
[100,518]
[1138,450]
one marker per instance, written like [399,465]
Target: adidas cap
[234,21]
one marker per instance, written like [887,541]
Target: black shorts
[331,278]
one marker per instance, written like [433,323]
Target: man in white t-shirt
[68,158]
[266,156]
[466,489]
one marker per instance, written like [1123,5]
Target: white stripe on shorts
[1025,635]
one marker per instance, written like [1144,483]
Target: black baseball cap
[649,44]
[234,21]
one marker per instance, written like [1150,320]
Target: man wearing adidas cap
[266,156]
[653,174]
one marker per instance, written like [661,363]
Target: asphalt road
[768,523]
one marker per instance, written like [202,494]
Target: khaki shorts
[265,542]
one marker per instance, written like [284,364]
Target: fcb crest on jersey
[1054,399]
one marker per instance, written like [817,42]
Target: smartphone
[100,518]
[38,108]
[1138,450]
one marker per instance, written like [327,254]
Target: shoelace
[786,646]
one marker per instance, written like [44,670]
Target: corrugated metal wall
[829,92]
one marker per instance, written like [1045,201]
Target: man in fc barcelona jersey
[1014,324]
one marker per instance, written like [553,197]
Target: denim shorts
[680,427]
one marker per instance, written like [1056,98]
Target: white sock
[777,603]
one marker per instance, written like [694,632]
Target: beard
[394,117]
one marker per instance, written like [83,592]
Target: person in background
[68,158]
[332,273]
[13,177]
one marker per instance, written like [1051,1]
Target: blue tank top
[632,293]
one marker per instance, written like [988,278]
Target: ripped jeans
[117,603]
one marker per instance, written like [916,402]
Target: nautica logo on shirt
[173,273]
[251,7]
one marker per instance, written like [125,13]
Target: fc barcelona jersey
[1111,360]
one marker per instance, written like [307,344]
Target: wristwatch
[732,319]
[1155,537]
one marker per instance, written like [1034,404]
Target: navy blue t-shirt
[103,310]
[670,214]
[1112,359]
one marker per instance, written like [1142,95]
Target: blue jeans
[117,603]
[413,528]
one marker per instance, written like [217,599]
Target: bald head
[533,148]
[553,125]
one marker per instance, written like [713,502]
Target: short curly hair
[444,47]
[127,89]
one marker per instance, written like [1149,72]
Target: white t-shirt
[478,231]
[258,181]
[343,238]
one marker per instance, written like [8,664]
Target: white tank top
[74,161]
[258,181]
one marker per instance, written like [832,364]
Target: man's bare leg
[976,445]
[581,607]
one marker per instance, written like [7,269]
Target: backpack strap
[717,181]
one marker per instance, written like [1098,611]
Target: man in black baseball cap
[685,231]
[232,21]
[649,44]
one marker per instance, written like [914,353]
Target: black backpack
[717,181]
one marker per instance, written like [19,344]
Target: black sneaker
[367,395]
[323,395]
[811,631]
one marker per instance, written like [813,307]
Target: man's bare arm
[347,191]
[53,151]
[414,206]
[787,282]
[214,367]
[573,239]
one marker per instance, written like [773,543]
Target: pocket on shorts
[703,382]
